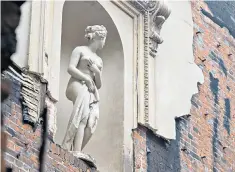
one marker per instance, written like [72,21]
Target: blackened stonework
[10,17]
[163,156]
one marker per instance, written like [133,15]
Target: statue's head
[96,35]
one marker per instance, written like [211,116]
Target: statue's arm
[72,69]
[98,80]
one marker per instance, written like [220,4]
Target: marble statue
[85,68]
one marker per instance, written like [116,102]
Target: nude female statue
[85,68]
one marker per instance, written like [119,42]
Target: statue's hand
[93,67]
[90,84]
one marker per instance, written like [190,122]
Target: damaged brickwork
[205,140]
[23,143]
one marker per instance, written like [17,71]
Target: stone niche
[131,46]
[117,95]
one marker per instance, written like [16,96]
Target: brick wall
[205,140]
[209,133]
[140,149]
[23,142]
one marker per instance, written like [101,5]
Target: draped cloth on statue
[86,105]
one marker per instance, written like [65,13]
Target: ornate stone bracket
[156,13]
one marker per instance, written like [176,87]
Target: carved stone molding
[40,37]
[32,95]
[155,14]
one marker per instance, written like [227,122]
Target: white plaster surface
[176,73]
[54,59]
[125,27]
[22,35]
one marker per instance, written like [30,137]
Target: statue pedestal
[85,157]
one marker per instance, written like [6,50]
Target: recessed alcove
[116,94]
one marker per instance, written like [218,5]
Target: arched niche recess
[111,144]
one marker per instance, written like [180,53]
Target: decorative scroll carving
[157,18]
[158,12]
[143,6]
[155,13]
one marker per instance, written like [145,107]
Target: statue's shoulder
[80,49]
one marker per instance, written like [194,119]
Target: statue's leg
[79,137]
[91,124]
[73,125]
[87,136]
[78,140]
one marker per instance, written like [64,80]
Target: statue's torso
[75,85]
[87,55]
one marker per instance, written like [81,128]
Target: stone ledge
[65,158]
